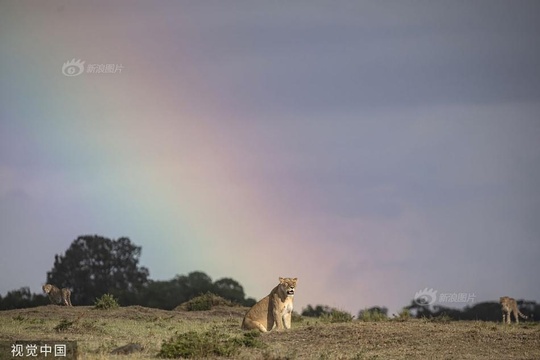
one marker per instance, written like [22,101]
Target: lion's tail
[521,315]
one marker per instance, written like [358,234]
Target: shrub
[193,344]
[372,315]
[250,339]
[200,303]
[335,316]
[105,302]
[404,315]
[204,302]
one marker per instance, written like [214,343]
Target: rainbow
[154,154]
[141,154]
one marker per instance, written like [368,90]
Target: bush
[107,301]
[372,315]
[204,302]
[404,315]
[193,344]
[200,303]
[335,316]
[250,339]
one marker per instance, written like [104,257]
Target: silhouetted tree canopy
[418,310]
[169,294]
[316,311]
[485,311]
[229,289]
[164,294]
[95,265]
[22,298]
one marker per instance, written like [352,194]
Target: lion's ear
[281,279]
[295,279]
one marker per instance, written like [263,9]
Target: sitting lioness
[274,309]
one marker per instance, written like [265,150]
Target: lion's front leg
[287,320]
[278,317]
[279,320]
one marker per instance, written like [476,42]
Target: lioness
[57,296]
[274,309]
[508,306]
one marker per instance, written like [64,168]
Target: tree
[195,283]
[229,289]
[95,265]
[419,310]
[163,294]
[171,293]
[316,311]
[22,298]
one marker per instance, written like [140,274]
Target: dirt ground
[100,331]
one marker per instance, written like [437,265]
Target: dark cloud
[356,57]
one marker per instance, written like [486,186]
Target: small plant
[107,301]
[193,344]
[64,325]
[337,316]
[19,318]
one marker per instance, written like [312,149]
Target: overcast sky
[370,148]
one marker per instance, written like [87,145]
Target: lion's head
[288,285]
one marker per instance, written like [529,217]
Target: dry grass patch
[100,332]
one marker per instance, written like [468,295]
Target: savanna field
[216,333]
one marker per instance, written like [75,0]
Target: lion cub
[57,296]
[508,306]
[274,309]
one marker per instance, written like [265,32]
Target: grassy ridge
[98,332]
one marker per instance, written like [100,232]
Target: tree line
[94,265]
[484,311]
